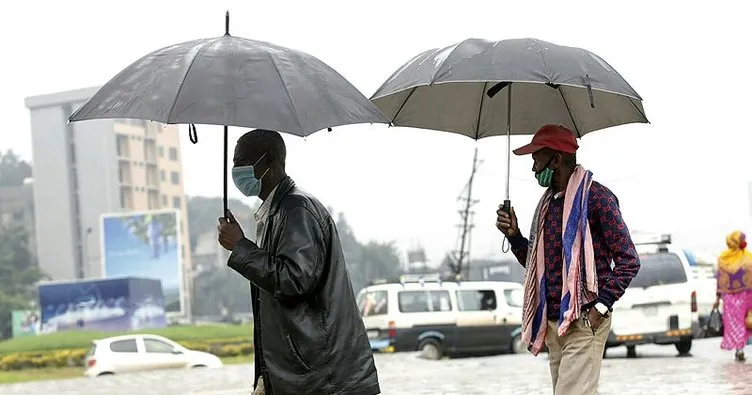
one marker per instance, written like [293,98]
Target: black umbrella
[232,81]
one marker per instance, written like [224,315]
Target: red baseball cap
[555,137]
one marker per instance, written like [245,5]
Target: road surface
[657,370]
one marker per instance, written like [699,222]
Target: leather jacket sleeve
[297,264]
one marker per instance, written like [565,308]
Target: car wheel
[683,347]
[517,347]
[631,351]
[431,349]
[105,374]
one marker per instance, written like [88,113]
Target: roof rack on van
[654,239]
[420,278]
[661,241]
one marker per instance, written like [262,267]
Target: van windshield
[661,268]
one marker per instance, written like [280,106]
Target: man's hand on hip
[595,318]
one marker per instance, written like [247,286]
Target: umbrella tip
[227,23]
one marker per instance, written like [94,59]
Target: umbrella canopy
[232,81]
[454,89]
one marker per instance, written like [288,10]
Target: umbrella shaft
[509,137]
[224,168]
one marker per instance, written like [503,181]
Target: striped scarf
[579,280]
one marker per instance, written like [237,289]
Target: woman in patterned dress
[735,287]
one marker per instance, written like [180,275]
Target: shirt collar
[263,209]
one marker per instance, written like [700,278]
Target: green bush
[51,359]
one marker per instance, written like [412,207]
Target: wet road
[657,370]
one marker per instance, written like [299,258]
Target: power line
[461,262]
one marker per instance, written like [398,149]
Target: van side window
[424,301]
[413,301]
[440,301]
[479,300]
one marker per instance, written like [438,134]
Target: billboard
[116,304]
[145,244]
[25,323]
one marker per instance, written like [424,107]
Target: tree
[13,170]
[203,213]
[381,259]
[220,289]
[369,261]
[19,275]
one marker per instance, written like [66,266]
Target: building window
[150,151]
[164,200]
[163,175]
[151,176]
[126,198]
[175,178]
[121,144]
[173,153]
[161,151]
[176,202]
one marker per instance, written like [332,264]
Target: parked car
[132,353]
[443,317]
[660,304]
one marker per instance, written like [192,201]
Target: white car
[133,353]
[660,304]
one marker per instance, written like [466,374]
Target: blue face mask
[246,181]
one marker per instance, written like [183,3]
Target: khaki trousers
[575,359]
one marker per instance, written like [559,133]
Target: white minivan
[660,304]
[443,317]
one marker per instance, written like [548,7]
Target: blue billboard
[145,244]
[117,304]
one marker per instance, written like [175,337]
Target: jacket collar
[283,189]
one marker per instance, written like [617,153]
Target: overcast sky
[687,172]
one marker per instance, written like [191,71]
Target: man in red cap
[570,287]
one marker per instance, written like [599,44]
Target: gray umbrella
[455,89]
[232,81]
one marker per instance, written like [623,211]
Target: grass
[21,376]
[83,339]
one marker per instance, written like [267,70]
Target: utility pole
[462,254]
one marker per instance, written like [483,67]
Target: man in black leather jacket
[309,337]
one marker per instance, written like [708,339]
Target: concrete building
[85,169]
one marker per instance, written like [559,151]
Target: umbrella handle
[507,208]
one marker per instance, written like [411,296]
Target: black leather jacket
[309,337]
